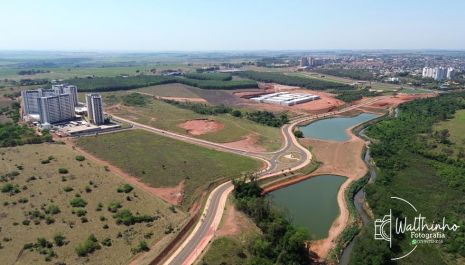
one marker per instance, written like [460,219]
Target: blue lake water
[334,128]
[311,203]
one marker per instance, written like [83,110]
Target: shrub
[298,134]
[7,187]
[59,239]
[63,170]
[49,219]
[78,202]
[80,158]
[126,188]
[106,242]
[114,206]
[68,189]
[89,246]
[81,212]
[142,246]
[88,189]
[26,222]
[126,217]
[52,209]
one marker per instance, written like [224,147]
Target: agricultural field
[162,115]
[164,162]
[54,200]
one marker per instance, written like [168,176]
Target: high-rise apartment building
[57,108]
[95,108]
[437,73]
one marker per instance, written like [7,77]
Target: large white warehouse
[286,98]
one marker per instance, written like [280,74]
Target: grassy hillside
[165,162]
[48,191]
[162,115]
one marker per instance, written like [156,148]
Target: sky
[220,25]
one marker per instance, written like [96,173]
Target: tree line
[262,117]
[281,242]
[283,79]
[404,151]
[102,84]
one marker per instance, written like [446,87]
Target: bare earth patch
[249,143]
[180,99]
[394,101]
[201,126]
[173,195]
[326,103]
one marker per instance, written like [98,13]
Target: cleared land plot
[41,186]
[164,162]
[165,116]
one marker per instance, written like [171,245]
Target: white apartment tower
[437,73]
[67,89]
[95,108]
[29,97]
[57,108]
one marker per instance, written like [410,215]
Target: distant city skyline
[143,25]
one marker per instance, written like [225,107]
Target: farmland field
[170,90]
[164,162]
[162,115]
[47,192]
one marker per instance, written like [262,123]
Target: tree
[298,134]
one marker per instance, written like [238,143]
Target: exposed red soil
[394,101]
[173,195]
[201,126]
[231,223]
[249,143]
[326,103]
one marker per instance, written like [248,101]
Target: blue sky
[182,25]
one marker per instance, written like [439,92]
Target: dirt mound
[249,143]
[201,126]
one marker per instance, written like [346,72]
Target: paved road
[201,235]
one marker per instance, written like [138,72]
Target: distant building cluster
[438,73]
[307,61]
[285,98]
[59,104]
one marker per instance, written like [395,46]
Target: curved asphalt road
[200,236]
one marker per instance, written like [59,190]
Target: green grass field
[165,116]
[170,90]
[456,128]
[40,186]
[165,162]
